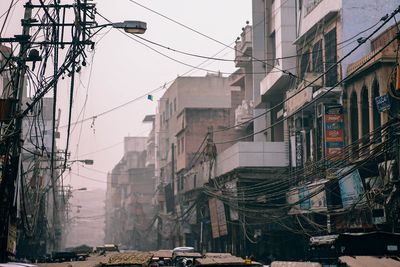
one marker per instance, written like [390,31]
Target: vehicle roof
[217,255]
[162,253]
[183,249]
[130,258]
[187,254]
[224,260]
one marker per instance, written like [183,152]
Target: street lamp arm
[85,161]
[129,26]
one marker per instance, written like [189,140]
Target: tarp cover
[370,261]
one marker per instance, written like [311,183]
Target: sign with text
[334,132]
[382,102]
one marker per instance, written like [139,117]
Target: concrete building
[185,112]
[278,24]
[129,196]
[326,32]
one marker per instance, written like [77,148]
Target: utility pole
[10,167]
[56,215]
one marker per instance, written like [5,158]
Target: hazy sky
[121,70]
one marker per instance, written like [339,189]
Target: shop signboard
[310,198]
[218,219]
[351,187]
[382,102]
[334,133]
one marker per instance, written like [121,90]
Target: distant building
[130,191]
[86,218]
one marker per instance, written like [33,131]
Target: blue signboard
[382,102]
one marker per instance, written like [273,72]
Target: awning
[370,261]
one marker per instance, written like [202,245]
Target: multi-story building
[371,112]
[333,122]
[229,192]
[186,111]
[130,191]
[326,33]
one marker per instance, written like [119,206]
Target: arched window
[354,124]
[365,118]
[375,113]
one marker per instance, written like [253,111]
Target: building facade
[129,198]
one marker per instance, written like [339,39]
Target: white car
[183,249]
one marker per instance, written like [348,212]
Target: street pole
[7,188]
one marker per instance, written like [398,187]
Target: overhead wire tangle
[378,150]
[276,193]
[285,206]
[252,196]
[283,180]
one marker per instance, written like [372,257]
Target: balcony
[244,112]
[327,95]
[272,84]
[252,154]
[244,48]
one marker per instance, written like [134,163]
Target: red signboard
[334,132]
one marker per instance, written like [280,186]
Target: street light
[131,26]
[79,189]
[84,161]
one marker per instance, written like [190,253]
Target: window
[354,123]
[183,143]
[170,109]
[331,76]
[305,58]
[179,146]
[375,113]
[365,117]
[317,64]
